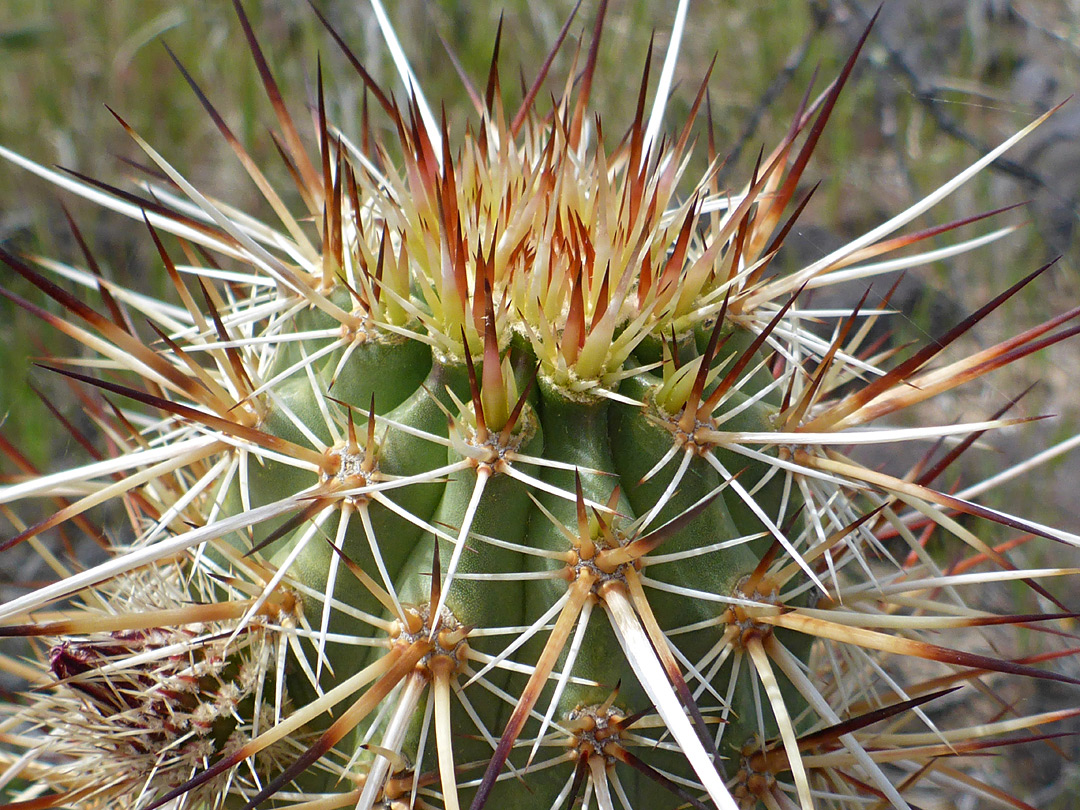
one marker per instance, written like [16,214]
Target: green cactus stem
[510,473]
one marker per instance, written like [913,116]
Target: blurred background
[938,84]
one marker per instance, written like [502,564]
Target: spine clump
[510,471]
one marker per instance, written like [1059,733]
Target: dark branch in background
[1059,37]
[926,95]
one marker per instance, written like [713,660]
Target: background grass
[936,80]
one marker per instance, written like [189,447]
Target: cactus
[508,471]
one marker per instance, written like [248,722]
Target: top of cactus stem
[508,473]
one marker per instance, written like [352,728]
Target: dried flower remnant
[133,708]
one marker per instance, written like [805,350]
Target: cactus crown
[507,473]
